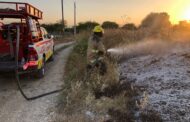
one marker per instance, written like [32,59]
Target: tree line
[88,25]
[153,21]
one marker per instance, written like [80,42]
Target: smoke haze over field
[147,47]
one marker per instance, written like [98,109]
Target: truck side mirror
[51,36]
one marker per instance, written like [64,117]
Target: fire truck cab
[20,28]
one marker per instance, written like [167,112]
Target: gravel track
[14,108]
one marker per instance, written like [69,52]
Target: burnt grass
[113,90]
[132,95]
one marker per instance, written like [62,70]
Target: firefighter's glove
[89,67]
[100,53]
[103,68]
[108,54]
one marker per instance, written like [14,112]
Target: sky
[120,11]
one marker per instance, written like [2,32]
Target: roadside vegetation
[63,38]
[81,99]
[111,98]
[97,98]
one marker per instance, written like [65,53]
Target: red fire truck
[22,39]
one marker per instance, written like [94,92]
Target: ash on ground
[166,78]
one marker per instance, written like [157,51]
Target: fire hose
[17,74]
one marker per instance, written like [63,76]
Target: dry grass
[120,37]
[80,92]
[97,98]
[63,38]
[107,98]
[116,37]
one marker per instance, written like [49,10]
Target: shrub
[129,26]
[110,25]
[86,26]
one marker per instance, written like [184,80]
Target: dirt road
[14,108]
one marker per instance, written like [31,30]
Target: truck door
[48,41]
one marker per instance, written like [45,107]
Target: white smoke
[146,47]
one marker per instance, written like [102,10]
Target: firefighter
[96,51]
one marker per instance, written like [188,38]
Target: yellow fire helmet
[98,29]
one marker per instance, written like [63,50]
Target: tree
[55,27]
[86,25]
[110,25]
[183,25]
[156,20]
[129,26]
[157,25]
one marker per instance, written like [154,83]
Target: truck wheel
[52,56]
[41,72]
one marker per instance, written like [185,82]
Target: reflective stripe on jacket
[95,46]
